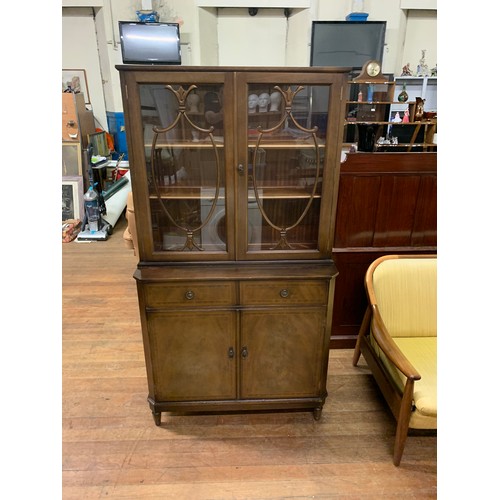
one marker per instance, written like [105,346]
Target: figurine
[406,116]
[253,100]
[419,109]
[275,98]
[397,118]
[192,101]
[422,68]
[263,102]
[406,70]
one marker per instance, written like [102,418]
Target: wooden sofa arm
[389,347]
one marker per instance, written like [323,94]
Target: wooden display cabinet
[233,211]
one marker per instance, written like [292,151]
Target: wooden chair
[398,339]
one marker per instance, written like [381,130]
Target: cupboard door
[184,130]
[193,355]
[282,353]
[286,160]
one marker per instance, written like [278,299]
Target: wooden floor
[112,449]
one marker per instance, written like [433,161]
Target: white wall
[421,34]
[230,36]
[258,40]
[79,51]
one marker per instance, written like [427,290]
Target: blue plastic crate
[357,16]
[116,124]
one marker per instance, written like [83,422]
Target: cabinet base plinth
[313,404]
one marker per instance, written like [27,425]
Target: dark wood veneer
[387,203]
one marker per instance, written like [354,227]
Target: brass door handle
[230,352]
[244,352]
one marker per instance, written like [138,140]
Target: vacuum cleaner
[95,227]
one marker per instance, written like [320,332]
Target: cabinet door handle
[244,352]
[230,352]
[284,293]
[189,295]
[241,169]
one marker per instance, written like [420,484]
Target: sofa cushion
[406,291]
[422,354]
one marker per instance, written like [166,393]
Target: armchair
[398,339]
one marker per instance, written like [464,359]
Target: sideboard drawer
[284,292]
[189,294]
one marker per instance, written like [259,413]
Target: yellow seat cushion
[422,354]
[406,291]
[406,296]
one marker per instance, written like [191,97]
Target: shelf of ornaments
[430,79]
[374,102]
[377,122]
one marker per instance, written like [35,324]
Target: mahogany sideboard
[387,204]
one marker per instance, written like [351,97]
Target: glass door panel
[184,150]
[286,133]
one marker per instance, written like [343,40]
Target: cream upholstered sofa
[398,339]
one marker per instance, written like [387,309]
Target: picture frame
[71,159]
[76,79]
[99,143]
[72,197]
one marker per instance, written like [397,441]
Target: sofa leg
[362,332]
[403,421]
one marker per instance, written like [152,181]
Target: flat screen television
[347,43]
[150,43]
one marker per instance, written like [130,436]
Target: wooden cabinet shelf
[283,192]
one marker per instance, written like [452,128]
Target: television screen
[150,43]
[347,43]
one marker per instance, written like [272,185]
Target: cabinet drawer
[284,292]
[189,294]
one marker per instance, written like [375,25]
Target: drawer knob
[284,293]
[189,295]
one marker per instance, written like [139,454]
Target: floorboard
[112,449]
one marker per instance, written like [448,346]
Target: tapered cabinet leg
[317,413]
[157,417]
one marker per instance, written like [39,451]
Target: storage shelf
[265,192]
[205,144]
[375,122]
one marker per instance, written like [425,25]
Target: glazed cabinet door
[193,355]
[180,127]
[288,129]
